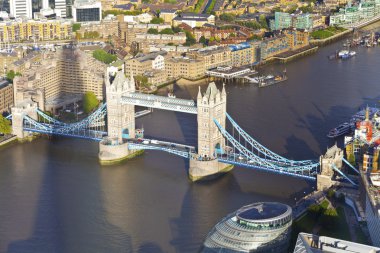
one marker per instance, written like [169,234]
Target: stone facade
[212,105]
[120,116]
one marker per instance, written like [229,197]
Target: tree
[90,102]
[5,125]
[141,80]
[314,210]
[152,31]
[76,27]
[103,56]
[157,20]
[227,17]
[263,21]
[11,75]
[203,40]
[330,194]
[177,29]
[166,31]
[190,39]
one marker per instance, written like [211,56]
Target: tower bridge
[113,125]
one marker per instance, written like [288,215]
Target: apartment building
[127,31]
[213,56]
[6,96]
[143,63]
[58,75]
[184,67]
[242,54]
[39,30]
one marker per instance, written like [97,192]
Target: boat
[345,54]
[342,129]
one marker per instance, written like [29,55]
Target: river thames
[55,197]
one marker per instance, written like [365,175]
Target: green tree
[5,125]
[103,56]
[90,102]
[330,194]
[276,9]
[314,210]
[166,31]
[203,40]
[152,31]
[263,21]
[11,75]
[157,20]
[176,29]
[190,39]
[227,17]
[141,80]
[76,27]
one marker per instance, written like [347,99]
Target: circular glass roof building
[259,227]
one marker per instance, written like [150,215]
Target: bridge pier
[110,151]
[205,170]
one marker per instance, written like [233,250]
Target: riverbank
[326,41]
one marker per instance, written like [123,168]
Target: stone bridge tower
[333,156]
[24,108]
[120,116]
[212,105]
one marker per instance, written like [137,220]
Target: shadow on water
[53,231]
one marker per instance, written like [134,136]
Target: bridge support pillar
[205,170]
[18,113]
[111,151]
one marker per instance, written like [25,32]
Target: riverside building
[22,29]
[59,79]
[259,227]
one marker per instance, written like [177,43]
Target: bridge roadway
[160,102]
[170,147]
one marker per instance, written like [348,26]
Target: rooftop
[261,211]
[317,244]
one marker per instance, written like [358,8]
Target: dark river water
[55,197]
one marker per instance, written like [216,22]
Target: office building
[21,8]
[87,11]
[308,243]
[260,227]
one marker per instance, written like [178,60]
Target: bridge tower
[333,157]
[19,111]
[120,120]
[120,116]
[211,105]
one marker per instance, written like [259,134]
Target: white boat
[344,128]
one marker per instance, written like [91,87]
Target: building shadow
[64,199]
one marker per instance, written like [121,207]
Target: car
[146,142]
[154,142]
[251,161]
[139,140]
[240,157]
[172,145]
